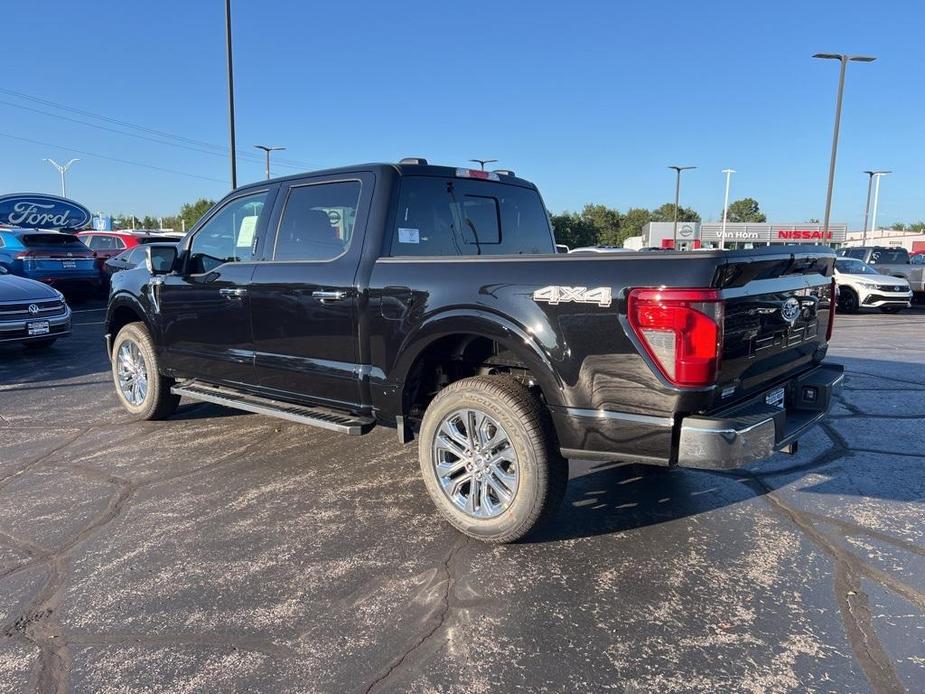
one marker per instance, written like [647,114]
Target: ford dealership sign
[41,211]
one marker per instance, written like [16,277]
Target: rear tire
[140,387]
[508,424]
[848,301]
[40,344]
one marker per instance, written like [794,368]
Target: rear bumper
[753,431]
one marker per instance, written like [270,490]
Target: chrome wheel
[475,463]
[132,373]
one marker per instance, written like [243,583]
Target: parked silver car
[31,312]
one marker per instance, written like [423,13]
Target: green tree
[897,226]
[745,210]
[634,220]
[573,230]
[149,222]
[665,213]
[606,222]
[192,211]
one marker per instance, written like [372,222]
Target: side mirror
[160,259]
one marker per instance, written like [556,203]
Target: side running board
[323,417]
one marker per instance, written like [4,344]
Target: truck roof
[402,168]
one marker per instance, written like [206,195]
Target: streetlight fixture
[722,238]
[267,151]
[62,169]
[234,168]
[677,200]
[843,60]
[870,180]
[873,216]
[482,162]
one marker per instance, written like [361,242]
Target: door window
[228,237]
[317,222]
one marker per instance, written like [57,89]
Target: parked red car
[109,244]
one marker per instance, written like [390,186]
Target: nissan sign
[41,211]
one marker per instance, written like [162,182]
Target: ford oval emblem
[791,310]
[42,211]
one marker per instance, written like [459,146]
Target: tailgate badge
[790,310]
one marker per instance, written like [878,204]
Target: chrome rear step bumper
[755,430]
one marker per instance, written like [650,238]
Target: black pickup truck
[431,299]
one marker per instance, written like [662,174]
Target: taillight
[681,330]
[28,262]
[833,300]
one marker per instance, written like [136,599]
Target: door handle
[326,296]
[232,293]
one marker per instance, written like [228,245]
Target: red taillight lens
[681,330]
[833,300]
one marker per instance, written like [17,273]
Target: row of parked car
[36,265]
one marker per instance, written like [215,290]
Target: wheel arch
[122,310]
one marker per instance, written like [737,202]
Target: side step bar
[323,417]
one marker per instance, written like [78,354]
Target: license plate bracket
[39,327]
[775,398]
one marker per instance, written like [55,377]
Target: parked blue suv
[52,257]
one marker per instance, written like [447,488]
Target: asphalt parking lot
[228,551]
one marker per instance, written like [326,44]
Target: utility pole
[482,162]
[62,169]
[677,200]
[870,180]
[873,217]
[722,238]
[267,151]
[843,61]
[234,168]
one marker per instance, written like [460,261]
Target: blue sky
[591,100]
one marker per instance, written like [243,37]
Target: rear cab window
[889,256]
[463,217]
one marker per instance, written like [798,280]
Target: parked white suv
[861,286]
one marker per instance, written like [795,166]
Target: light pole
[722,238]
[482,162]
[62,169]
[267,151]
[677,200]
[870,180]
[843,60]
[234,168]
[873,216]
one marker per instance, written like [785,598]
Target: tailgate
[777,307]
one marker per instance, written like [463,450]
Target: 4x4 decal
[554,294]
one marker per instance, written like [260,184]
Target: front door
[304,301]
[204,310]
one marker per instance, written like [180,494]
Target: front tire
[489,458]
[141,389]
[849,301]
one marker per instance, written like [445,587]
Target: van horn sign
[42,211]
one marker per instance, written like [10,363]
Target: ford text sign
[41,211]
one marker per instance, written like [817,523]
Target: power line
[127,124]
[136,135]
[116,159]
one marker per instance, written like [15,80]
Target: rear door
[304,301]
[204,310]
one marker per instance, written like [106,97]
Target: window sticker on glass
[246,231]
[406,235]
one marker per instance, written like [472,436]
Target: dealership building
[736,235]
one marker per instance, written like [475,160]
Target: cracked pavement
[222,550]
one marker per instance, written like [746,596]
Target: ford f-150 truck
[431,299]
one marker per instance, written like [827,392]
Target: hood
[13,288]
[873,279]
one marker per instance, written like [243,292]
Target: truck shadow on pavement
[870,447]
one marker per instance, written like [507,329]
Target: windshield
[853,266]
[889,255]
